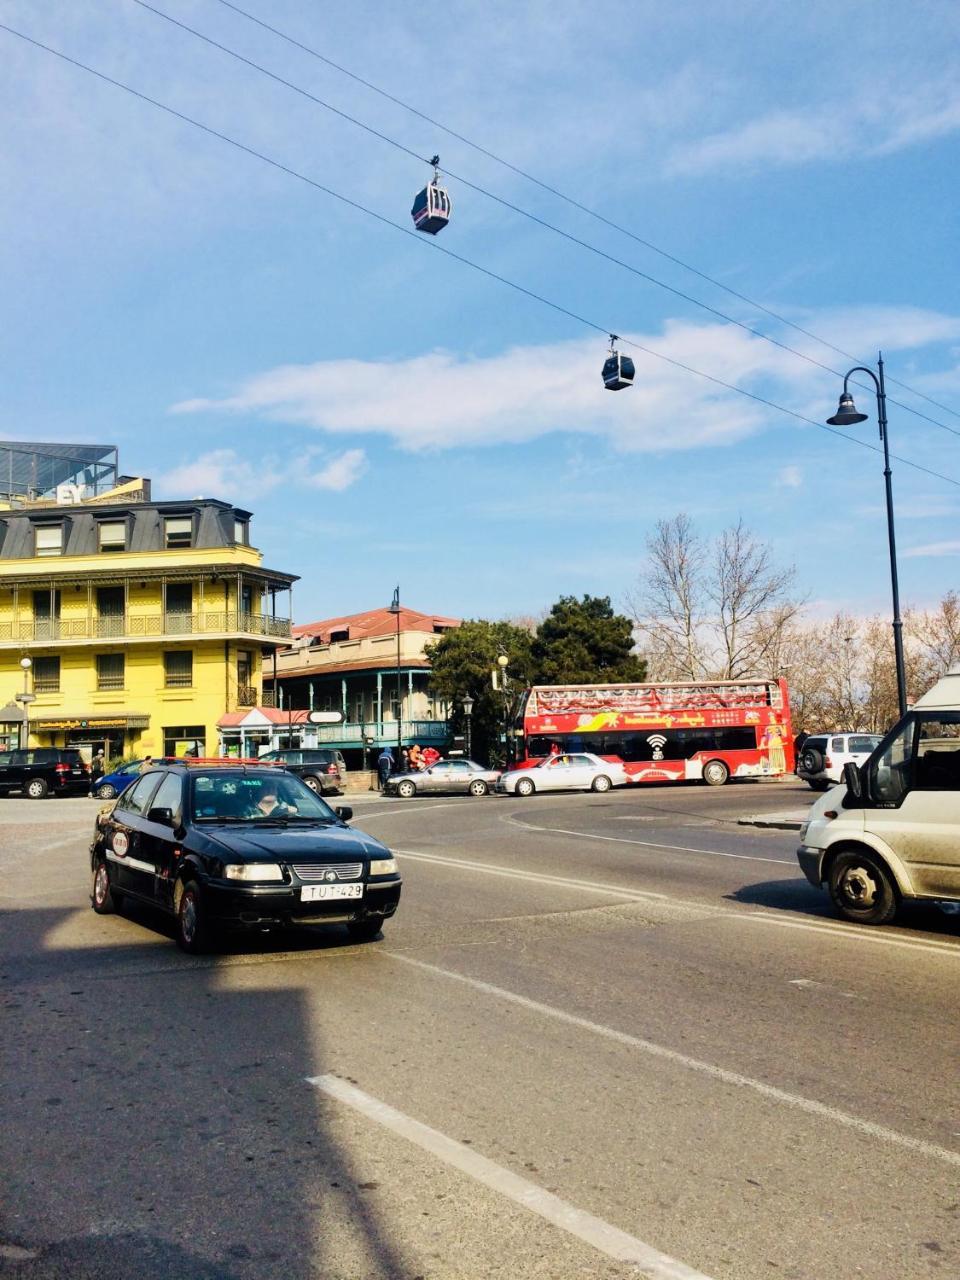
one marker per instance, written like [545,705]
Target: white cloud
[341,472]
[789,478]
[223,471]
[442,400]
[937,549]
[865,125]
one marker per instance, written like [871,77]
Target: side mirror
[853,779]
[344,812]
[164,816]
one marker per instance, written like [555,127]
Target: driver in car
[271,806]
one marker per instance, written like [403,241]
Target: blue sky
[390,414]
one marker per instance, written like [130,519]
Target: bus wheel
[715,773]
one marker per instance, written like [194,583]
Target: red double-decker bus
[710,730]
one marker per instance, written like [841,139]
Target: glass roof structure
[33,471]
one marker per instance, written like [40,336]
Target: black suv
[321,768]
[44,771]
[243,846]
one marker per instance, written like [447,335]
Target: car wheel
[192,929]
[601,783]
[811,760]
[525,787]
[103,898]
[862,888]
[406,788]
[106,792]
[715,773]
[364,930]
[36,788]
[478,787]
[314,785]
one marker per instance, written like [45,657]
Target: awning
[11,714]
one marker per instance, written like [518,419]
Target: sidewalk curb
[781,821]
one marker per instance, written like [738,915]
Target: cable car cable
[449,253]
[576,204]
[542,222]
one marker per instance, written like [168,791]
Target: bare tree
[667,608]
[717,613]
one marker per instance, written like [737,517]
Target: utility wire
[576,204]
[542,222]
[449,253]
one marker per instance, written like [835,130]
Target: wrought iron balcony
[142,626]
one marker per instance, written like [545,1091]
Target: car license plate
[322,892]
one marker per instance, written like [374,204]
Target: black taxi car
[236,845]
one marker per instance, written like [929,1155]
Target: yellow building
[144,622]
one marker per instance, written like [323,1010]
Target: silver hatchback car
[464,777]
[580,772]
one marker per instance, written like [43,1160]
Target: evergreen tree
[585,642]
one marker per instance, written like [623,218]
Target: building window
[178,669]
[46,675]
[179,608]
[184,740]
[46,614]
[241,532]
[48,539]
[336,637]
[178,531]
[110,671]
[111,607]
[358,715]
[112,535]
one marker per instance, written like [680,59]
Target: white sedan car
[581,772]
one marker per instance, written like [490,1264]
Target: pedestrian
[404,760]
[415,762]
[384,767]
[429,756]
[97,770]
[146,763]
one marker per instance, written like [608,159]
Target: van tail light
[332,768]
[61,768]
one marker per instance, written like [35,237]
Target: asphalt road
[605,1036]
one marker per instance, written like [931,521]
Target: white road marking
[411,807]
[647,844]
[868,1128]
[811,984]
[843,932]
[600,1235]
[513,873]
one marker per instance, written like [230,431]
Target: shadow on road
[798,896]
[157,1121]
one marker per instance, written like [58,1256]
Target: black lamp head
[846,414]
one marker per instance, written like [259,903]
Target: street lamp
[467,704]
[846,416]
[395,609]
[502,663]
[26,698]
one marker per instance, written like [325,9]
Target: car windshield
[255,798]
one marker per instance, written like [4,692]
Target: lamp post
[503,662]
[846,416]
[395,609]
[467,703]
[26,698]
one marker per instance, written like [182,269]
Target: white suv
[821,759]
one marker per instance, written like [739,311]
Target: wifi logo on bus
[658,742]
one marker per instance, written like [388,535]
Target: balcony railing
[246,695]
[134,626]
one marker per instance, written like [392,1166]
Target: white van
[891,830]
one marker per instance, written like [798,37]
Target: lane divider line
[844,932]
[646,844]
[600,1235]
[866,1128]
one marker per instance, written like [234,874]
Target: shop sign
[116,722]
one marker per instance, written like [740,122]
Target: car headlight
[383,867]
[252,871]
[803,832]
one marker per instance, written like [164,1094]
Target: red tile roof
[376,622]
[273,714]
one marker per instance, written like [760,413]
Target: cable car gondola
[618,370]
[431,209]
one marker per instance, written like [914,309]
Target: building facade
[142,622]
[372,669]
